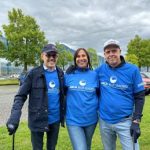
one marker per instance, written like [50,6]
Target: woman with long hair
[81,101]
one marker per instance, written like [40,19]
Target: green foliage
[25,39]
[93,56]
[65,56]
[23,142]
[2,46]
[146,50]
[141,49]
[132,58]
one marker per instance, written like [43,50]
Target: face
[112,55]
[49,59]
[81,59]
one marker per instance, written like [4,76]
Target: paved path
[7,94]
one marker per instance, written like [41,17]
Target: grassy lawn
[9,82]
[22,139]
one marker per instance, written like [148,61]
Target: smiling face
[112,55]
[81,59]
[49,59]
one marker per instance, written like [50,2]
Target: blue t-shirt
[82,101]
[53,96]
[117,88]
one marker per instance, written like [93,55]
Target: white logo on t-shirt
[113,79]
[52,84]
[82,82]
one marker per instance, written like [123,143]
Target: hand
[135,131]
[11,128]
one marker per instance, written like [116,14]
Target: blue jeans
[52,136]
[81,137]
[109,133]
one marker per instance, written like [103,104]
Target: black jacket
[35,87]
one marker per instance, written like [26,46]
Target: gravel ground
[7,94]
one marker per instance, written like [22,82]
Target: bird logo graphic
[82,82]
[113,79]
[52,84]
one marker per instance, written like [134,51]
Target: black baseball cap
[49,48]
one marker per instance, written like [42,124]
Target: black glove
[135,131]
[11,128]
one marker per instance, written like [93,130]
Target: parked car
[146,80]
[15,76]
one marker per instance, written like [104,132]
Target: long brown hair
[87,54]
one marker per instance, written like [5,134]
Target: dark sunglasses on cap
[54,55]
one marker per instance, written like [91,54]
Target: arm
[139,98]
[19,100]
[139,103]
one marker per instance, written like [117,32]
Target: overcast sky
[85,23]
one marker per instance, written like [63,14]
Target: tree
[141,49]
[146,53]
[65,56]
[135,47]
[2,46]
[132,59]
[93,56]
[24,39]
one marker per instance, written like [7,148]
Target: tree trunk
[25,66]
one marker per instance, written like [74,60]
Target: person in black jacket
[44,85]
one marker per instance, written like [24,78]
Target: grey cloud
[82,23]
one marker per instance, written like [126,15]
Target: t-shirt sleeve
[137,81]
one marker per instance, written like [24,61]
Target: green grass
[9,82]
[22,139]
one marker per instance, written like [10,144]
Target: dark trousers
[52,136]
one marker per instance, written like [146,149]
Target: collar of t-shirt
[82,69]
[47,69]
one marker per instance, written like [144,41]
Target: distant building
[101,58]
[7,68]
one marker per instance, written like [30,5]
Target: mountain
[68,48]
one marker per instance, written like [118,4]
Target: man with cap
[121,99]
[44,85]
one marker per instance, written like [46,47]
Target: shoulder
[93,72]
[131,66]
[100,67]
[36,69]
[71,69]
[59,70]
